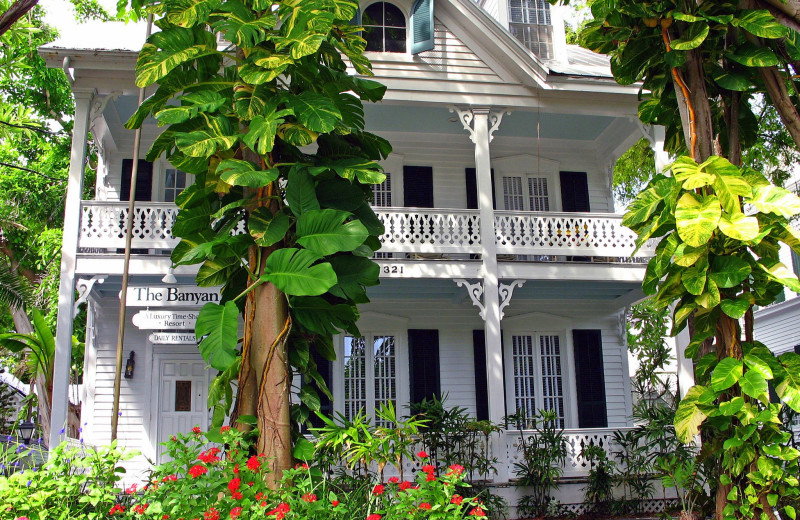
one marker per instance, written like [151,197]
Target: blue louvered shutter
[421,26]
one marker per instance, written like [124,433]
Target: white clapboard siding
[776,326]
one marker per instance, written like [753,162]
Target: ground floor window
[536,381]
[370,375]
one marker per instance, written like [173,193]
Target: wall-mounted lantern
[129,366]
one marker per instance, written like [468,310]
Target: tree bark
[790,8]
[17,10]
[776,88]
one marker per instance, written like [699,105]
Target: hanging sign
[169,320]
[172,296]
[172,338]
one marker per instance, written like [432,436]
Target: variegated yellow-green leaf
[243,173]
[203,143]
[694,278]
[686,255]
[710,298]
[755,363]
[241,26]
[753,384]
[683,312]
[255,75]
[188,13]
[688,416]
[788,388]
[270,61]
[316,111]
[261,136]
[730,186]
[772,199]
[647,202]
[193,104]
[780,273]
[739,227]
[296,134]
[302,45]
[251,102]
[697,220]
[325,232]
[366,171]
[692,38]
[726,374]
[267,229]
[761,23]
[152,64]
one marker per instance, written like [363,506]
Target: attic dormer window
[384,28]
[529,21]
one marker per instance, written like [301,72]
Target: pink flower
[425,506]
[422,454]
[378,489]
[196,471]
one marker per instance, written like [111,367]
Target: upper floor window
[384,28]
[174,183]
[516,198]
[382,193]
[529,22]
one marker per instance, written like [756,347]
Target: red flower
[394,480]
[310,497]
[427,468]
[334,503]
[259,495]
[131,490]
[140,509]
[196,471]
[236,469]
[430,478]
[280,511]
[211,514]
[457,499]
[253,464]
[169,477]
[164,517]
[422,454]
[196,430]
[210,456]
[301,466]
[250,484]
[378,489]
[236,511]
[237,495]
[224,429]
[118,508]
[425,506]
[404,485]
[477,512]
[374,516]
[455,469]
[234,484]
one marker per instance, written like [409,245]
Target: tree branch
[31,171]
[17,10]
[776,88]
[33,128]
[790,8]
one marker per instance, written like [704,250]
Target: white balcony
[531,236]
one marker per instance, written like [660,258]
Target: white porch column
[685,365]
[657,136]
[69,250]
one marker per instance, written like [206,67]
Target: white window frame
[565,347]
[405,8]
[370,326]
[526,167]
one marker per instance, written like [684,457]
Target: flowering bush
[75,482]
[207,482]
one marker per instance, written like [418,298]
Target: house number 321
[392,269]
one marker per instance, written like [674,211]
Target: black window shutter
[418,186]
[479,359]
[421,26]
[590,379]
[423,359]
[144,180]
[325,369]
[574,192]
[471,183]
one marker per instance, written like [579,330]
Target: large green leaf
[218,326]
[267,229]
[753,384]
[324,231]
[366,171]
[192,104]
[153,64]
[751,56]
[761,23]
[241,26]
[319,316]
[694,278]
[692,38]
[251,102]
[647,202]
[292,272]
[261,134]
[187,13]
[354,274]
[739,227]
[697,220]
[772,199]
[778,272]
[243,173]
[217,271]
[788,388]
[300,193]
[729,271]
[754,362]
[726,374]
[316,111]
[203,143]
[735,308]
[688,416]
[728,184]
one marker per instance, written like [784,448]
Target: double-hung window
[535,377]
[530,23]
[174,183]
[527,193]
[370,374]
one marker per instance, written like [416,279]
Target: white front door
[182,398]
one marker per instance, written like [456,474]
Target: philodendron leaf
[688,416]
[751,56]
[325,232]
[778,272]
[761,23]
[267,229]
[203,143]
[647,202]
[726,374]
[694,279]
[218,327]
[756,364]
[292,272]
[179,47]
[318,315]
[244,173]
[754,385]
[353,274]
[735,308]
[739,227]
[772,199]
[697,220]
[788,388]
[261,135]
[692,38]
[303,449]
[316,111]
[729,271]
[187,13]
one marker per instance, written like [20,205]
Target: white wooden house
[505,273]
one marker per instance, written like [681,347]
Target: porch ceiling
[437,120]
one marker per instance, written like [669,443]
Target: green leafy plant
[599,491]
[285,228]
[687,477]
[633,470]
[544,452]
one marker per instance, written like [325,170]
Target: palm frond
[14,290]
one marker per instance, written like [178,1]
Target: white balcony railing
[408,230]
[576,439]
[578,234]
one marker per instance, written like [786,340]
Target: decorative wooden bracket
[84,286]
